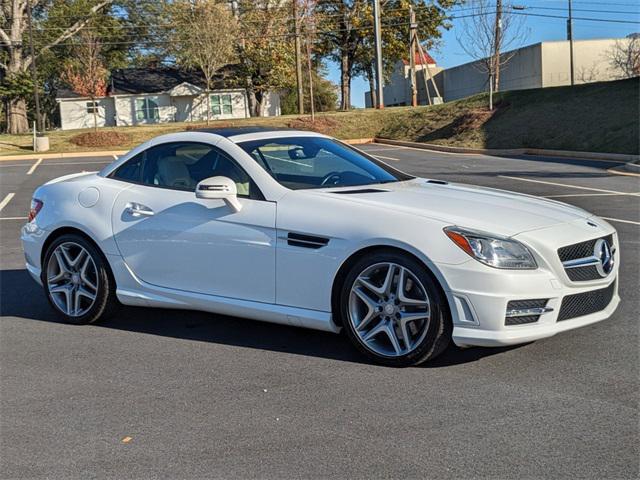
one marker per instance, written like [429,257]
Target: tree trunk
[251,99]
[95,115]
[345,81]
[259,105]
[208,107]
[17,121]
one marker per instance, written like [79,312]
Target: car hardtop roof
[255,132]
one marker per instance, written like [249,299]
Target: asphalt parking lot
[171,394]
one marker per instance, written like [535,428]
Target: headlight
[495,251]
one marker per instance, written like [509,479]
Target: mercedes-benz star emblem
[602,251]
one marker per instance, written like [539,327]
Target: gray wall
[524,70]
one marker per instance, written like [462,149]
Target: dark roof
[233,131]
[155,80]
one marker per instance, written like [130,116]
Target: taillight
[36,206]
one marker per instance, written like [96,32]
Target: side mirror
[219,188]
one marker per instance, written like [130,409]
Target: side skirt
[133,291]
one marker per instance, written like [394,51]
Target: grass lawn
[597,117]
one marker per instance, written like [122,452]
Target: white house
[159,95]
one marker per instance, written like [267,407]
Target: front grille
[586,303]
[582,250]
[524,305]
[583,274]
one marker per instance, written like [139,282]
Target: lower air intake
[586,303]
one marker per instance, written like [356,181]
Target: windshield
[317,162]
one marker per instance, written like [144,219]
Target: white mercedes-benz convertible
[298,228]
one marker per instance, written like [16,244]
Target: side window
[130,171]
[181,165]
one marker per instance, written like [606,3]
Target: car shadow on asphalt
[22,298]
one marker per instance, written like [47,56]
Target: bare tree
[588,74]
[489,30]
[624,57]
[205,39]
[86,73]
[14,58]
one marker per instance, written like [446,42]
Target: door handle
[138,210]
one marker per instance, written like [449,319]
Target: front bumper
[478,297]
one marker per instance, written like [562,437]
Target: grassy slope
[599,117]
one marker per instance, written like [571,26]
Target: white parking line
[387,158]
[584,195]
[34,166]
[402,147]
[13,218]
[569,186]
[6,200]
[621,221]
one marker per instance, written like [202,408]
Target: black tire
[439,330]
[105,303]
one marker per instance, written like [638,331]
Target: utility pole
[413,27]
[497,42]
[311,102]
[378,41]
[34,70]
[570,38]
[298,58]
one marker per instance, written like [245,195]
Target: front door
[170,238]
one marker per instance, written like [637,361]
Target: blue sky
[449,53]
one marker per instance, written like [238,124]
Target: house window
[221,104]
[147,110]
[93,107]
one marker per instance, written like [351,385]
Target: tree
[624,57]
[265,50]
[487,32]
[86,74]
[15,59]
[206,32]
[347,34]
[325,94]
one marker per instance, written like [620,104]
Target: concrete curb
[615,157]
[45,156]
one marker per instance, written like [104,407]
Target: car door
[170,238]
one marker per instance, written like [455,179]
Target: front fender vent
[306,241]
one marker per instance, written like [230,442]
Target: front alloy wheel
[395,313]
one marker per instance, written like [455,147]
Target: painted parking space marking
[566,185]
[34,166]
[402,147]
[13,218]
[566,195]
[388,158]
[6,200]
[621,220]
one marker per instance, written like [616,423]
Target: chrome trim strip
[525,312]
[581,262]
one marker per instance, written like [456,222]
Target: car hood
[486,209]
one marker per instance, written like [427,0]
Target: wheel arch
[66,230]
[348,263]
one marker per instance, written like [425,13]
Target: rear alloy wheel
[77,281]
[393,310]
